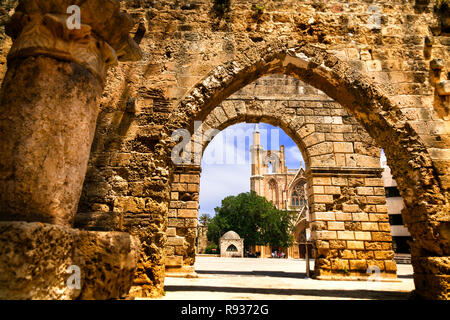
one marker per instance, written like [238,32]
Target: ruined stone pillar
[429,226]
[48,111]
[49,102]
[182,224]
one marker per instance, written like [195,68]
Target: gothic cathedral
[283,187]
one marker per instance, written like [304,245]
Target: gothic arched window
[298,196]
[273,192]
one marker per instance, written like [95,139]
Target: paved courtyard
[272,279]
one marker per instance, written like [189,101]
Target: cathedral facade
[285,188]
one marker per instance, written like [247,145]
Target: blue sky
[226,165]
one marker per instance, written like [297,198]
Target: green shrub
[212,249]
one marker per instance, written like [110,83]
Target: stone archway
[421,181]
[420,160]
[347,234]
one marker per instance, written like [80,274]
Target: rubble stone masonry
[351,77]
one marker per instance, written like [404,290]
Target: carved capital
[40,27]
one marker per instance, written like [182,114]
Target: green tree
[215,227]
[254,218]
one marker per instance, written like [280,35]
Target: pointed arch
[273,195]
[426,200]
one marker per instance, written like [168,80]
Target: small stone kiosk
[231,245]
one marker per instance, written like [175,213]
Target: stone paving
[274,279]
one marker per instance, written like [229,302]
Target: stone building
[394,203]
[285,188]
[270,178]
[231,245]
[89,155]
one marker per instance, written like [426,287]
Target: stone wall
[183,213]
[353,231]
[329,138]
[6,10]
[42,262]
[185,41]
[373,59]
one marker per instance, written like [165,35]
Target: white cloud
[220,181]
[294,157]
[226,163]
[223,151]
[226,168]
[383,160]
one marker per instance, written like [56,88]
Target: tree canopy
[204,219]
[255,219]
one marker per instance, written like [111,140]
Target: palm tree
[204,219]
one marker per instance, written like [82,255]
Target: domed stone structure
[231,245]
[231,235]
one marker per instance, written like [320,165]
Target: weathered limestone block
[443,88]
[99,221]
[431,277]
[101,39]
[49,103]
[35,257]
[394,53]
[150,229]
[47,122]
[108,261]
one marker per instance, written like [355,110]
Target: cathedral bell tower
[256,150]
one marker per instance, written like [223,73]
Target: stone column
[49,102]
[48,112]
[350,224]
[182,224]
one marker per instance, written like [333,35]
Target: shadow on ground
[277,274]
[356,294]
